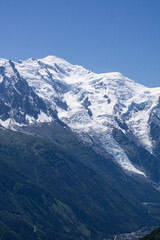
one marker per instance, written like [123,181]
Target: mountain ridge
[63,125]
[90,104]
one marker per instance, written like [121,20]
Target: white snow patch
[5,123]
[10,123]
[1,78]
[42,117]
[30,119]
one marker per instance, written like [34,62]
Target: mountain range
[80,152]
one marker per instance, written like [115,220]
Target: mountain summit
[91,104]
[79,151]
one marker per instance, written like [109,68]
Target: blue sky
[101,35]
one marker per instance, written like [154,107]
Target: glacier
[91,104]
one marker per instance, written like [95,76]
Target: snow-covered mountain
[92,105]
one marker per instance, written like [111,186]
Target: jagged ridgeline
[79,152]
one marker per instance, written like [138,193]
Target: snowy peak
[52,60]
[19,104]
[91,104]
[7,71]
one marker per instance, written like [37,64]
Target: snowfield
[90,104]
